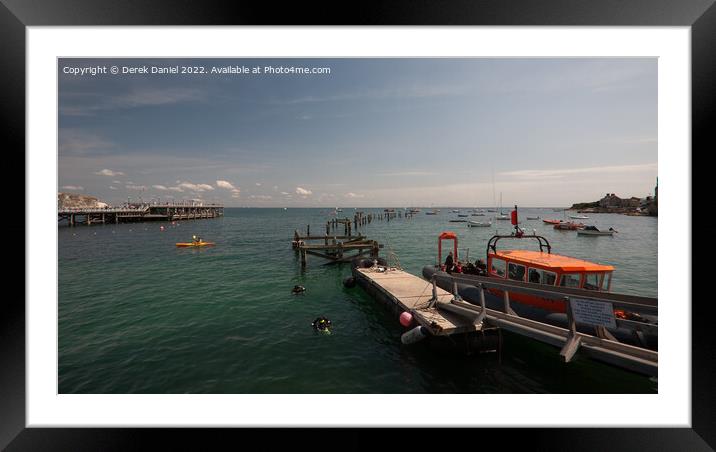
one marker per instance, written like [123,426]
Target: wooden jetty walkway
[445,313]
[139,212]
[415,295]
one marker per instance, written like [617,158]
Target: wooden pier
[409,293]
[340,239]
[139,212]
[334,248]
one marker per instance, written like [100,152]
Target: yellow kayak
[195,244]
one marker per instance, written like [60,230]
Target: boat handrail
[543,242]
[643,304]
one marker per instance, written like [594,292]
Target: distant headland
[611,203]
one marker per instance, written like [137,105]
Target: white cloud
[116,181]
[159,187]
[353,195]
[111,187]
[225,184]
[303,191]
[196,187]
[109,172]
[72,187]
[562,172]
[136,187]
[261,197]
[258,184]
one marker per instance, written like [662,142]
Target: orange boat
[569,226]
[549,269]
[552,221]
[535,268]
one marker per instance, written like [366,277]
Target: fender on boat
[417,334]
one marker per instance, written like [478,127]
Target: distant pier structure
[139,212]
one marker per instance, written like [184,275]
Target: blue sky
[373,132]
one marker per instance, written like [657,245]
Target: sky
[368,133]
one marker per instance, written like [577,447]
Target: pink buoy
[406,319]
[161,228]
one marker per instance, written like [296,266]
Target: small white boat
[455,211]
[478,224]
[502,216]
[593,232]
[579,217]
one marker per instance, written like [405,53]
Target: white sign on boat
[596,313]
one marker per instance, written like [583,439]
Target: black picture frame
[16,15]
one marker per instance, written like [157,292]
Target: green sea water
[139,315]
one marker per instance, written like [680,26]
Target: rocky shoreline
[611,203]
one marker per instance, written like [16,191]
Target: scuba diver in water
[322,324]
[298,289]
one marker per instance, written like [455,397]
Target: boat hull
[595,233]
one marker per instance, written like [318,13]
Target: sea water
[139,315]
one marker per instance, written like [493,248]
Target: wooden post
[303,257]
[308,230]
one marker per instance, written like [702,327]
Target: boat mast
[494,204]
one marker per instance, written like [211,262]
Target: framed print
[238,192]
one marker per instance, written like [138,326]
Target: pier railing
[140,212]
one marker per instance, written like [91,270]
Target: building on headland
[611,203]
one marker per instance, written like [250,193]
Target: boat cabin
[543,267]
[538,267]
